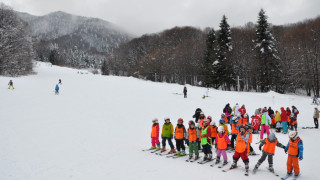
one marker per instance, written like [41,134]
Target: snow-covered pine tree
[16,51]
[222,66]
[209,57]
[269,68]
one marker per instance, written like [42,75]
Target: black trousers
[206,149]
[264,156]
[316,123]
[169,141]
[233,138]
[180,144]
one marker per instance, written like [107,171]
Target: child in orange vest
[214,132]
[242,146]
[155,135]
[269,149]
[222,142]
[295,153]
[234,131]
[293,122]
[180,136]
[192,136]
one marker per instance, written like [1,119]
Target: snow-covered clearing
[98,125]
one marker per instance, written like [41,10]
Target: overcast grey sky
[149,16]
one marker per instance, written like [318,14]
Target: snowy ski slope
[98,125]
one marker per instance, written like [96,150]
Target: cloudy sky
[149,16]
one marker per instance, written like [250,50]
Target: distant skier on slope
[269,149]
[60,82]
[185,91]
[10,84]
[316,117]
[57,89]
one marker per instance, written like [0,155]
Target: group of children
[203,131]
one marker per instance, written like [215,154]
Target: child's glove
[285,150]
[260,148]
[300,158]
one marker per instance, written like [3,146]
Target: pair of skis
[229,169]
[220,166]
[206,161]
[287,176]
[193,160]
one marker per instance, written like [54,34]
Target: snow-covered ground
[98,125]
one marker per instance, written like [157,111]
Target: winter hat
[272,137]
[293,134]
[155,120]
[220,129]
[180,119]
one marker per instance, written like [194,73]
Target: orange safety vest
[214,131]
[270,147]
[192,134]
[294,122]
[200,135]
[226,119]
[288,120]
[273,121]
[221,142]
[250,137]
[241,144]
[243,121]
[293,149]
[154,131]
[234,129]
[201,121]
[179,133]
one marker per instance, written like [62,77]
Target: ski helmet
[223,115]
[272,137]
[213,123]
[201,113]
[206,122]
[293,134]
[210,118]
[222,121]
[242,126]
[234,118]
[155,120]
[220,129]
[165,119]
[180,119]
[191,122]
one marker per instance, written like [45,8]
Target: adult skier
[197,115]
[185,92]
[265,122]
[316,117]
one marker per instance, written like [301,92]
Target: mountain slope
[68,33]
